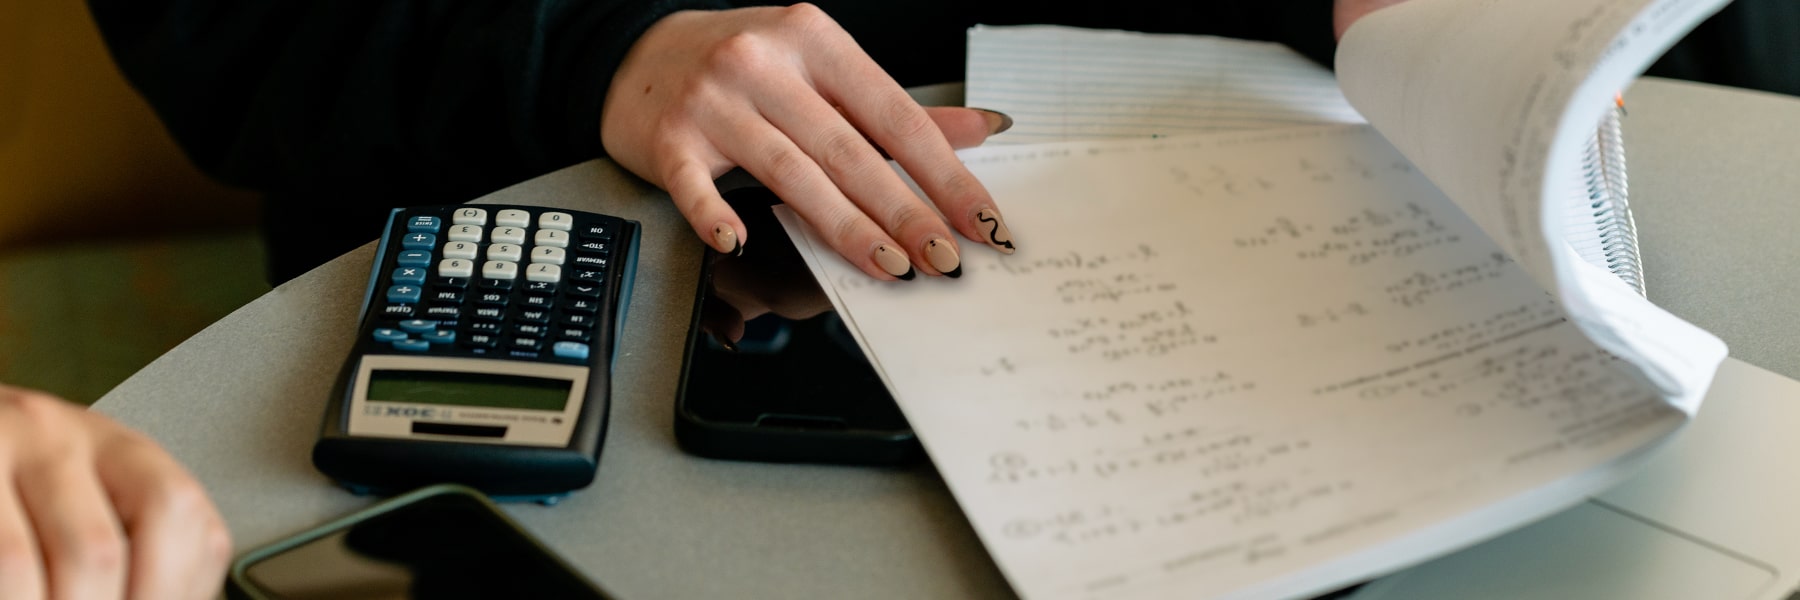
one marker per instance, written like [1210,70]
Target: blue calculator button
[442,336]
[389,335]
[412,275]
[418,326]
[412,345]
[415,258]
[575,350]
[401,294]
[422,225]
[418,241]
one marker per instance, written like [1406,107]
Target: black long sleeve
[339,110]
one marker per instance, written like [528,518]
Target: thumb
[967,127]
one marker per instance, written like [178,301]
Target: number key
[556,221]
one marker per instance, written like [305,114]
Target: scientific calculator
[484,353]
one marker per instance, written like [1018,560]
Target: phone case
[771,442]
[239,587]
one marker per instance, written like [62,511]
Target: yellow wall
[81,154]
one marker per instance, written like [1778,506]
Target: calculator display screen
[469,389]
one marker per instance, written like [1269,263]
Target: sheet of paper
[1259,363]
[1065,83]
[1497,102]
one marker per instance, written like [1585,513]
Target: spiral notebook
[1598,222]
[1265,361]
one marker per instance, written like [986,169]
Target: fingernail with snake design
[894,262]
[993,230]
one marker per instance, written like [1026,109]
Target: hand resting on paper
[90,509]
[785,93]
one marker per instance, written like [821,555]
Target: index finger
[878,106]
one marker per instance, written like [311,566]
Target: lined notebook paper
[1063,83]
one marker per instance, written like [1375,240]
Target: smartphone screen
[445,545]
[770,358]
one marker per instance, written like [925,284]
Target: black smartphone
[771,372]
[438,542]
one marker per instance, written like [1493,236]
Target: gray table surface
[1714,185]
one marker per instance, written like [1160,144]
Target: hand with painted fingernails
[91,509]
[786,94]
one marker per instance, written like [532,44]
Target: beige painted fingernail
[997,121]
[942,255]
[726,237]
[993,230]
[894,262]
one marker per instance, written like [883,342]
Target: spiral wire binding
[1604,165]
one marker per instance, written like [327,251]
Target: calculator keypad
[526,285]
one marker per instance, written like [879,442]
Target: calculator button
[484,327]
[412,275]
[456,267]
[444,312]
[588,274]
[541,287]
[551,237]
[441,336]
[574,334]
[596,232]
[415,258]
[544,273]
[447,296]
[597,247]
[534,316]
[509,252]
[418,326]
[530,329]
[389,335]
[482,340]
[462,250]
[539,301]
[469,216]
[526,343]
[449,283]
[547,255]
[500,269]
[400,294]
[418,241]
[489,312]
[493,298]
[590,260]
[422,225]
[397,310]
[579,320]
[556,221]
[412,345]
[465,233]
[575,350]
[589,291]
[496,284]
[581,305]
[512,217]
[509,235]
